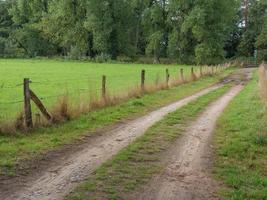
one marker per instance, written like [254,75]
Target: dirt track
[187,176]
[56,182]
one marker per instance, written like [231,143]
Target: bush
[101,58]
[124,59]
[2,45]
[75,53]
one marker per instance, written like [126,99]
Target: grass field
[52,78]
[241,146]
[14,149]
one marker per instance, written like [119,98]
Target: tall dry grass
[64,110]
[263,81]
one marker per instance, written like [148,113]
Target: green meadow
[52,79]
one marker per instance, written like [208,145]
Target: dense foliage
[199,31]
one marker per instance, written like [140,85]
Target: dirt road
[54,183]
[187,175]
[60,174]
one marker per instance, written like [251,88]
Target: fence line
[30,95]
[11,102]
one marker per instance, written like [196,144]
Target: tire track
[187,175]
[57,182]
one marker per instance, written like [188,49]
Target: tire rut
[187,175]
[57,182]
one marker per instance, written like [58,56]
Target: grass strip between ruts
[137,163]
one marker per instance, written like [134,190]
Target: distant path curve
[187,175]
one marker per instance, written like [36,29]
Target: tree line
[187,31]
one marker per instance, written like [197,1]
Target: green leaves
[254,36]
[189,31]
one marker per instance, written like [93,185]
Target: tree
[138,8]
[189,31]
[199,33]
[5,25]
[256,20]
[110,22]
[210,29]
[64,25]
[181,40]
[156,28]
[261,42]
[26,15]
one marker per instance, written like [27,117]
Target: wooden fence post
[193,76]
[182,75]
[41,106]
[167,77]
[192,71]
[201,71]
[27,103]
[143,78]
[104,89]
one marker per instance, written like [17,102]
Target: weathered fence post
[104,89]
[201,71]
[167,77]
[27,103]
[192,71]
[143,78]
[41,106]
[182,75]
[212,70]
[193,76]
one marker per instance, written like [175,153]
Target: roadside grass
[14,149]
[241,146]
[136,164]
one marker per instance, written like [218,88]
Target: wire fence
[12,99]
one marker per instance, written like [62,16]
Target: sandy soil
[55,182]
[187,175]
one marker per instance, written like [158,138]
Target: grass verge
[18,148]
[241,146]
[137,163]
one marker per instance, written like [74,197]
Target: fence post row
[143,78]
[30,95]
[104,89]
[27,103]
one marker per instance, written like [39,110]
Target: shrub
[102,58]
